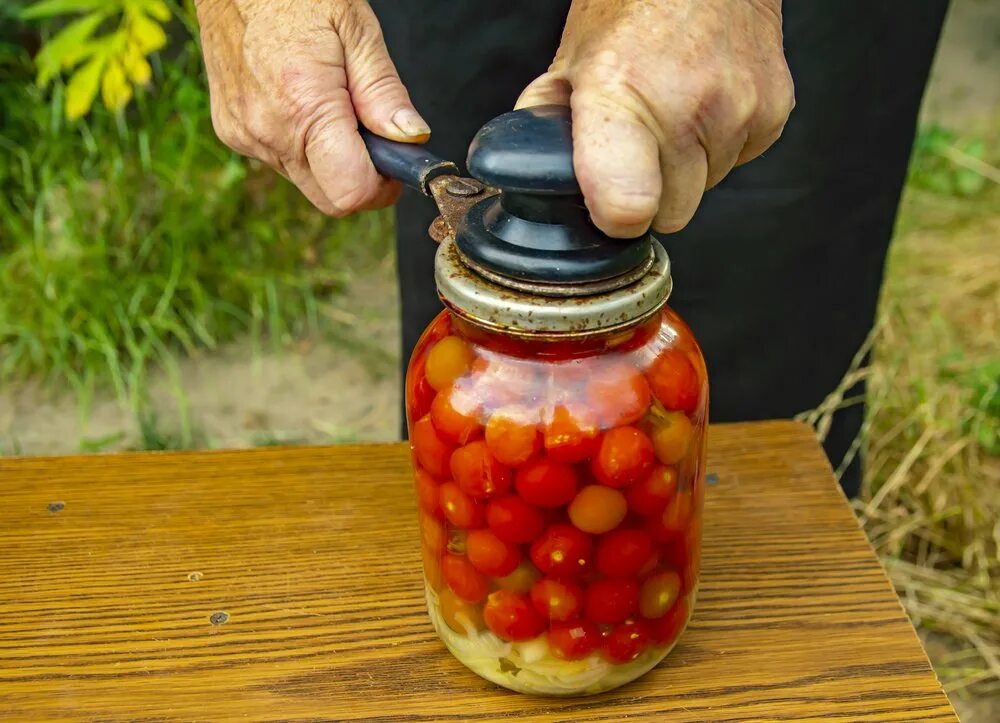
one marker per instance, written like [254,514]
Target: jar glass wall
[560,485]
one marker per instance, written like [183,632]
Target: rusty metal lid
[550,308]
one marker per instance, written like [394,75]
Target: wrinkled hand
[667,97]
[289,82]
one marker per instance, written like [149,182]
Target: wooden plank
[106,605]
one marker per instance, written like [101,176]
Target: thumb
[546,89]
[380,100]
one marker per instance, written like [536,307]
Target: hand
[289,82]
[667,97]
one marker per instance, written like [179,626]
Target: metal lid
[556,309]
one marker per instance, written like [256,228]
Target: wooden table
[285,583]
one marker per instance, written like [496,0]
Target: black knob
[538,228]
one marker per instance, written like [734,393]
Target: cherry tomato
[624,456]
[433,534]
[666,629]
[557,599]
[650,495]
[512,435]
[514,520]
[419,392]
[427,492]
[432,568]
[619,394]
[611,600]
[659,593]
[623,553]
[458,614]
[467,582]
[671,434]
[627,641]
[511,616]
[447,360]
[455,415]
[545,483]
[460,509]
[570,435]
[491,555]
[562,551]
[521,580]
[573,640]
[597,509]
[478,472]
[674,381]
[674,521]
[431,451]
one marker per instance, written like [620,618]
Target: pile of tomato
[560,493]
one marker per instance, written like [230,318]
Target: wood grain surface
[285,584]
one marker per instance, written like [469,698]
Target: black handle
[409,163]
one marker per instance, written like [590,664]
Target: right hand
[289,83]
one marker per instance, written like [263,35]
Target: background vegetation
[130,241]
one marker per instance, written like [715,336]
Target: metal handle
[409,163]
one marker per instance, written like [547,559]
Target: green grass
[931,494]
[128,241]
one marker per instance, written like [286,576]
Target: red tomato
[618,393]
[665,630]
[570,436]
[433,534]
[432,568]
[511,616]
[627,641]
[573,640]
[611,600]
[419,392]
[562,551]
[466,581]
[454,413]
[502,381]
[512,435]
[514,520]
[427,492]
[623,553]
[460,509]
[557,599]
[674,381]
[624,456]
[431,451]
[674,521]
[546,484]
[478,472]
[490,554]
[650,495]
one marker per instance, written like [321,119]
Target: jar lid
[533,309]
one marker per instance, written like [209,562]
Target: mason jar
[558,446]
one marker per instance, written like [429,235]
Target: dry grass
[930,502]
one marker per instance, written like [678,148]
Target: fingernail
[410,123]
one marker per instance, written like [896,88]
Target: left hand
[667,97]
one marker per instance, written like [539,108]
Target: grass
[930,501]
[128,241]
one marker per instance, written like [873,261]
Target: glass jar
[560,479]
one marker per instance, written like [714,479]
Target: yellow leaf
[146,33]
[115,90]
[67,47]
[136,66]
[82,87]
[157,8]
